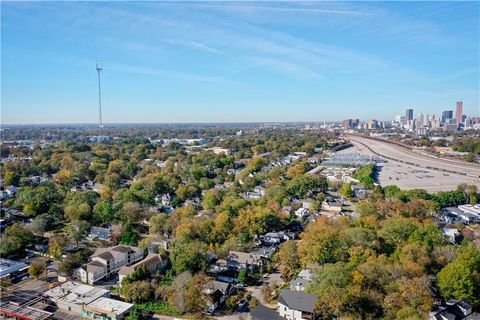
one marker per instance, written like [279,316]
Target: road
[394,152]
[410,170]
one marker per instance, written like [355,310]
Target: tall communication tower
[99,69]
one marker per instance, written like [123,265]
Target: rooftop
[23,312]
[75,292]
[298,300]
[263,313]
[109,306]
[9,266]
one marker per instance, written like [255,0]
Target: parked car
[242,305]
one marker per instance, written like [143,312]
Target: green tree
[104,212]
[187,255]
[72,262]
[243,276]
[129,236]
[14,241]
[460,279]
[11,178]
[346,190]
[210,200]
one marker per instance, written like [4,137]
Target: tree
[320,243]
[104,211]
[180,284]
[299,186]
[14,241]
[243,276]
[129,236]
[78,230]
[411,296]
[72,262]
[288,259]
[366,175]
[210,200]
[11,178]
[187,255]
[76,212]
[157,223]
[37,268]
[131,211]
[56,244]
[195,298]
[396,230]
[460,279]
[35,201]
[346,190]
[470,157]
[137,292]
[40,223]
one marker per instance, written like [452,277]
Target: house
[107,261]
[276,237]
[297,305]
[332,206]
[103,233]
[264,251]
[156,244]
[306,274]
[153,262]
[99,233]
[361,193]
[216,292]
[306,203]
[89,185]
[453,310]
[299,284]
[243,260]
[453,235]
[11,191]
[263,313]
[260,190]
[106,309]
[252,195]
[301,213]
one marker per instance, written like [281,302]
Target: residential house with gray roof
[297,305]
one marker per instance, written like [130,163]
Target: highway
[397,153]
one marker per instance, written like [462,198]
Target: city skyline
[212,62]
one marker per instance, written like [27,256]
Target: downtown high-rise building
[459,112]
[446,115]
[408,114]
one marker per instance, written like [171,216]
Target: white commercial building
[72,296]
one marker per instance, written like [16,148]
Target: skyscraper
[448,114]
[459,112]
[409,114]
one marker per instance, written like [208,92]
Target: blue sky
[237,61]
